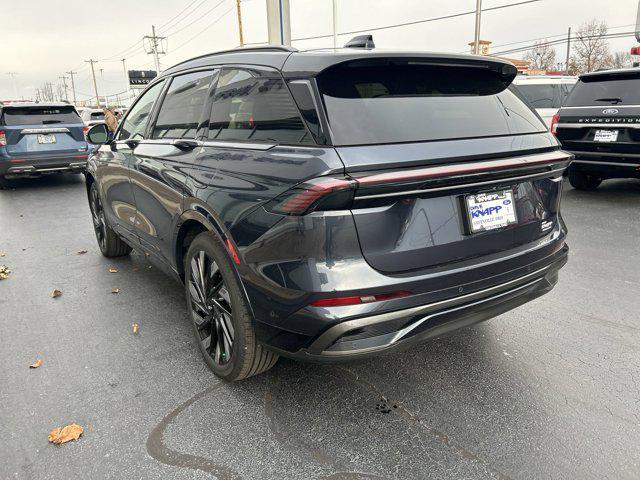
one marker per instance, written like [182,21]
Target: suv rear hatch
[449,164]
[601,116]
[35,131]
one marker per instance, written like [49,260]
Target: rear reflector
[356,300]
[17,160]
[233,252]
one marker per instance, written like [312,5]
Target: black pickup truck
[600,124]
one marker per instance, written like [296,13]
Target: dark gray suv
[332,204]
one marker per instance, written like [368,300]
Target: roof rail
[262,48]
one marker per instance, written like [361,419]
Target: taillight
[3,139]
[358,299]
[326,193]
[554,123]
[84,131]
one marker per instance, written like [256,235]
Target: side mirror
[98,134]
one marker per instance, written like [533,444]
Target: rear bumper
[611,165]
[20,167]
[397,330]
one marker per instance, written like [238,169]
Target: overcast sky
[42,39]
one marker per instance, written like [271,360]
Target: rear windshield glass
[612,90]
[39,115]
[544,95]
[419,102]
[97,116]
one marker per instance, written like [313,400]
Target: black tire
[222,323]
[583,181]
[4,183]
[111,245]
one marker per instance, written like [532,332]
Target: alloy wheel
[99,222]
[211,308]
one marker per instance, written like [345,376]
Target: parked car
[92,116]
[600,125]
[40,138]
[333,204]
[545,93]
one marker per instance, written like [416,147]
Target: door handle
[184,144]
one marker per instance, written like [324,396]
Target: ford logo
[610,111]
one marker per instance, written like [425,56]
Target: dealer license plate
[605,136]
[46,138]
[490,210]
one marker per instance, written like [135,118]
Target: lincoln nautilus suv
[329,205]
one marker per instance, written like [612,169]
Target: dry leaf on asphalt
[81,252]
[113,270]
[115,290]
[56,293]
[36,364]
[65,434]
[2,254]
[4,272]
[134,327]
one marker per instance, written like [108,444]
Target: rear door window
[620,89]
[182,106]
[135,123]
[394,101]
[248,107]
[39,115]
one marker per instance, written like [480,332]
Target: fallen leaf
[24,249]
[134,328]
[36,364]
[4,272]
[113,270]
[81,252]
[56,293]
[65,434]
[115,290]
[2,254]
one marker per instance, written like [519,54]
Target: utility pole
[154,41]
[95,84]
[476,38]
[13,81]
[66,92]
[73,85]
[566,67]
[335,23]
[126,77]
[240,23]
[278,22]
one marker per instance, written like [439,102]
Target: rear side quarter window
[251,108]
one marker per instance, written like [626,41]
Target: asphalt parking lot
[550,390]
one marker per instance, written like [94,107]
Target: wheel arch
[191,224]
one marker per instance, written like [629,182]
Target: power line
[416,22]
[204,29]
[197,19]
[561,41]
[180,13]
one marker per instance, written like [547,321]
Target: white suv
[545,93]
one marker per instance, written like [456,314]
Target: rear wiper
[613,100]
[47,122]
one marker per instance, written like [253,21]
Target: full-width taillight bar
[461,168]
[337,193]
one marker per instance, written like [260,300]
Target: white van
[545,93]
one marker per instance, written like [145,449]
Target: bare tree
[591,49]
[541,57]
[622,60]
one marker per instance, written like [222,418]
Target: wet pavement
[549,390]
